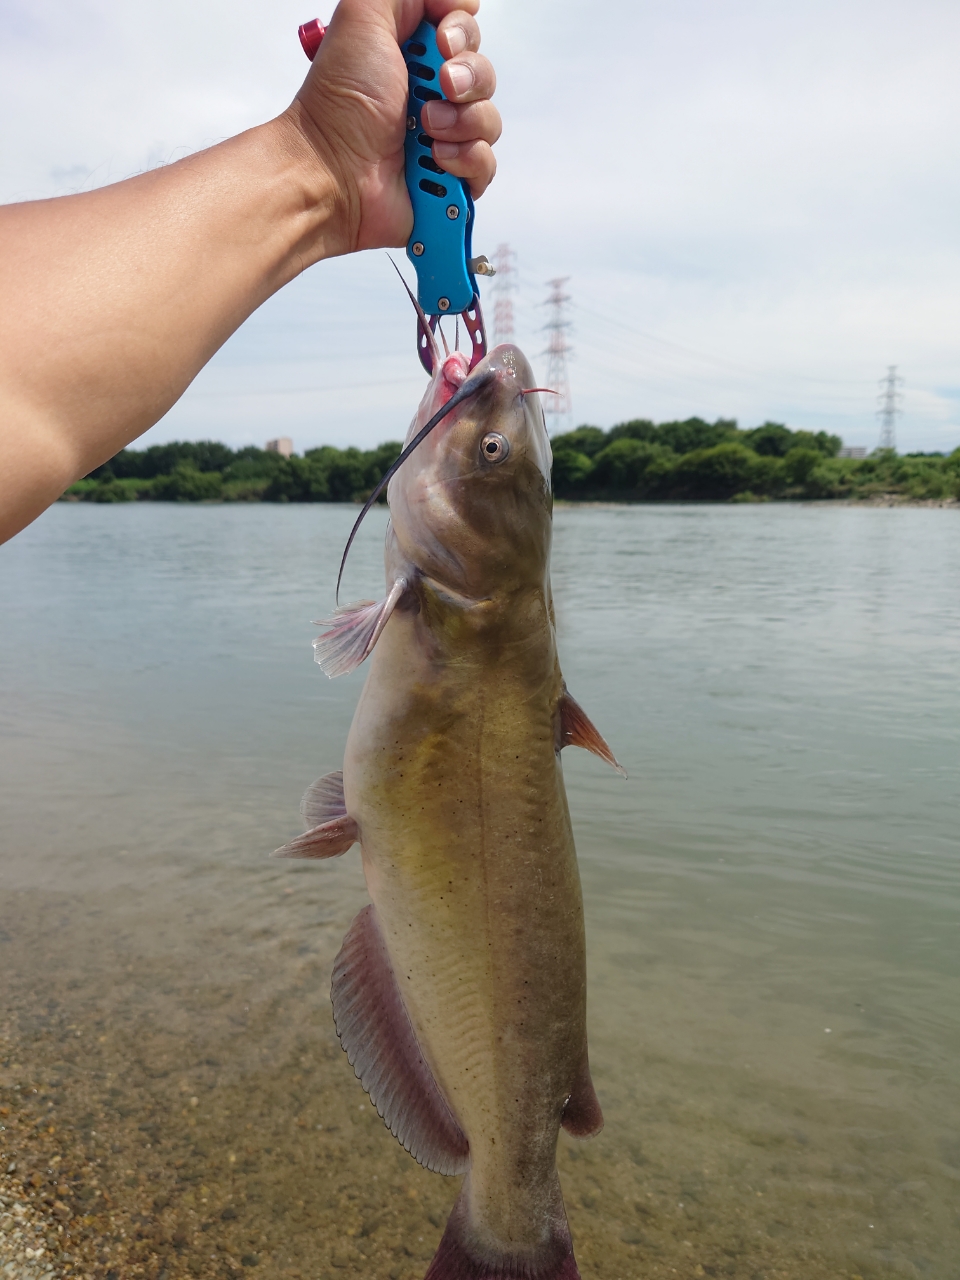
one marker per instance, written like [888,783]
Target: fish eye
[494,447]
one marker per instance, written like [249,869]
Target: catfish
[459,993]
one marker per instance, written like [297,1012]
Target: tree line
[695,460]
[637,461]
[209,472]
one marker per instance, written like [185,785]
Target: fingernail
[439,115]
[456,40]
[446,150]
[461,77]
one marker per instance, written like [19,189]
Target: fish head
[471,506]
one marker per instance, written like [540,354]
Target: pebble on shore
[30,1233]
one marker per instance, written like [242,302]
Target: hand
[352,110]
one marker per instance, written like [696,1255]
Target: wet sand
[192,1114]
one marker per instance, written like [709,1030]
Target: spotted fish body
[460,992]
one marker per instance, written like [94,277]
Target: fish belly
[469,858]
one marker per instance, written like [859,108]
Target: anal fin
[354,630]
[381,1046]
[576,729]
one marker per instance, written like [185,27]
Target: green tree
[163,459]
[826,445]
[113,491]
[186,484]
[637,429]
[585,440]
[772,440]
[693,434]
[719,473]
[799,465]
[571,471]
[298,480]
[631,466]
[251,463]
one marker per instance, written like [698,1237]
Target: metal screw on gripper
[452,212]
[411,122]
[417,248]
[443,304]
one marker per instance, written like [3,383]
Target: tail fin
[462,1256]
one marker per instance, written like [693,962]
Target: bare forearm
[111,302]
[114,300]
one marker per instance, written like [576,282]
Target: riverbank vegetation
[636,461]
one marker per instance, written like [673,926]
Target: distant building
[284,446]
[848,451]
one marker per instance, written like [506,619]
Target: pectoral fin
[354,630]
[576,729]
[330,830]
[381,1045]
[328,840]
[324,800]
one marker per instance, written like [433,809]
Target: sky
[757,204]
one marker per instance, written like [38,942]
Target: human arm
[113,300]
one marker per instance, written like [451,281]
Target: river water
[773,897]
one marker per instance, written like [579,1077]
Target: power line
[504,286]
[890,401]
[756,374]
[558,406]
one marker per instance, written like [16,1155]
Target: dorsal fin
[381,1045]
[576,729]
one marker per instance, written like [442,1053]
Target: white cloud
[757,203]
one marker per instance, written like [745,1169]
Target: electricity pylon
[890,401]
[559,406]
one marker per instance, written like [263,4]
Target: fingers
[475,120]
[464,128]
[468,78]
[473,161]
[456,33]
[463,137]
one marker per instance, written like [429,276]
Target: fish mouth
[468,387]
[472,508]
[501,379]
[507,393]
[515,377]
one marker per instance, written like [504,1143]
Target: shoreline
[601,504]
[875,500]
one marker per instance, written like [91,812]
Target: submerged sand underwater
[772,901]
